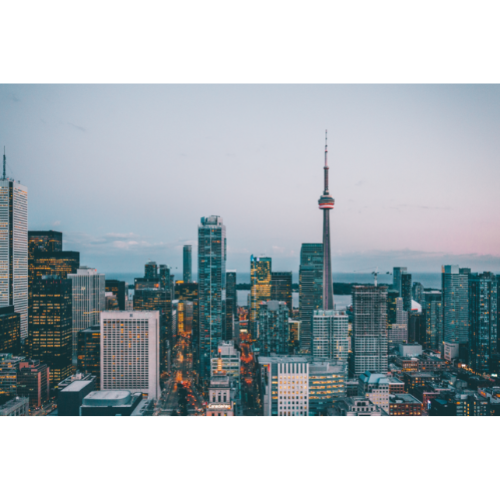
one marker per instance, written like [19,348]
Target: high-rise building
[10,330]
[432,308]
[417,291]
[231,305]
[120,290]
[326,203]
[44,241]
[187,264]
[33,382]
[273,332]
[281,288]
[14,248]
[392,301]
[330,335]
[455,289]
[294,327]
[9,369]
[229,359]
[326,385]
[151,270]
[397,272]
[260,288]
[483,320]
[89,352]
[310,289]
[130,357]
[212,255]
[416,327]
[50,326]
[55,264]
[165,278]
[398,330]
[406,291]
[369,344]
[88,292]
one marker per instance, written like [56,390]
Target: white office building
[330,335]
[130,351]
[89,299]
[228,360]
[14,248]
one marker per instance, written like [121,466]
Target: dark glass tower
[151,270]
[231,304]
[326,203]
[281,288]
[406,291]
[187,264]
[120,289]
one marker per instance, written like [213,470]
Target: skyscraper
[483,330]
[397,332]
[260,288]
[50,326]
[326,203]
[88,289]
[231,305]
[273,328]
[187,264]
[151,270]
[397,272]
[369,329]
[281,288]
[212,288]
[417,291]
[310,289]
[406,291]
[44,241]
[120,290]
[14,248]
[10,330]
[130,357]
[330,335]
[89,352]
[432,308]
[455,305]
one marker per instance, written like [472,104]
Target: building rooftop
[108,398]
[403,399]
[77,385]
[373,378]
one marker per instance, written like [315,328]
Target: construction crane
[374,273]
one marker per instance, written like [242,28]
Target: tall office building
[130,358]
[330,337]
[326,203]
[406,291]
[50,326]
[89,352]
[150,270]
[10,330]
[273,328]
[310,289]
[120,290]
[33,382]
[432,308]
[281,288]
[397,332]
[483,320]
[392,302]
[187,264]
[231,305]
[14,248]
[369,344]
[88,300]
[397,272]
[260,288]
[455,291]
[44,241]
[417,291]
[212,255]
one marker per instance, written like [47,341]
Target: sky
[126,171]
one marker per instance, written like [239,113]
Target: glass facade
[281,288]
[187,264]
[89,353]
[120,290]
[310,289]
[455,289]
[151,271]
[260,288]
[10,330]
[483,330]
[406,291]
[432,308]
[330,337]
[273,334]
[212,254]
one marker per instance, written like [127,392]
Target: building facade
[273,329]
[281,288]
[212,254]
[130,354]
[89,352]
[432,308]
[330,335]
[10,330]
[397,272]
[260,289]
[455,288]
[187,274]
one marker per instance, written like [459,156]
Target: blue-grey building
[212,288]
[483,321]
[274,332]
[433,310]
[187,264]
[455,304]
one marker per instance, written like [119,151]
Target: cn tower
[326,203]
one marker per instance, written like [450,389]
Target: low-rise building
[33,382]
[375,387]
[17,407]
[396,386]
[219,395]
[407,363]
[413,380]
[109,403]
[70,398]
[404,405]
[410,349]
[356,406]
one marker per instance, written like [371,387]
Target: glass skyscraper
[483,329]
[455,288]
[14,248]
[187,264]
[231,305]
[274,331]
[433,311]
[397,272]
[310,289]
[406,291]
[260,290]
[212,254]
[281,288]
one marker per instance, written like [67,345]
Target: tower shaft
[327,264]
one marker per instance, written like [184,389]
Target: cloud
[56,223]
[78,127]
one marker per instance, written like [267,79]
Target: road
[182,376]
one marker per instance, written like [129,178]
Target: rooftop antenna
[326,162]
[3,178]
